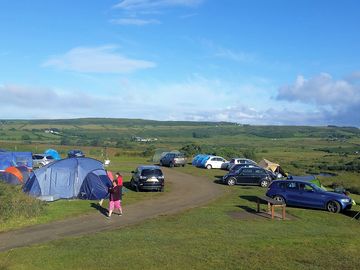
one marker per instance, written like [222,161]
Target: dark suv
[248,176]
[147,177]
[173,159]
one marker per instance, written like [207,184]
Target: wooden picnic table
[272,204]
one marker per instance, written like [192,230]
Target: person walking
[115,198]
[111,177]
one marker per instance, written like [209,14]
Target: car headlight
[345,200]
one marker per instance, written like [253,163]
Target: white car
[215,162]
[40,160]
[235,161]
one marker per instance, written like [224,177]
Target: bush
[15,203]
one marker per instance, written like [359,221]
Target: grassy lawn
[208,238]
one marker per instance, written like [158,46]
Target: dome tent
[53,153]
[274,167]
[83,178]
[15,175]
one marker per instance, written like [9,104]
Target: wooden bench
[271,206]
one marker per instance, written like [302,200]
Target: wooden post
[283,211]
[272,211]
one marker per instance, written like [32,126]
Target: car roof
[144,167]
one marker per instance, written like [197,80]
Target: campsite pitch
[187,192]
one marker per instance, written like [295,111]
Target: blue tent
[83,178]
[195,159]
[53,153]
[8,159]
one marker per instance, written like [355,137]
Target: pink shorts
[114,204]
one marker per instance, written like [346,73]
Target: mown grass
[208,238]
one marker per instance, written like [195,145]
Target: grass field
[208,238]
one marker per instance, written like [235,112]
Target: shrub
[15,203]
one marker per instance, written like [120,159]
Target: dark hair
[116,181]
[118,173]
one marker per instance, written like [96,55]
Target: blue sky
[258,62]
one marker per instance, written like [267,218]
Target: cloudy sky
[258,62]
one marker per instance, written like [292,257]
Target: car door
[259,174]
[215,163]
[309,197]
[245,176]
[291,193]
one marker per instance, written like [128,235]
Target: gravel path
[187,192]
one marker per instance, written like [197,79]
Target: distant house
[140,139]
[52,131]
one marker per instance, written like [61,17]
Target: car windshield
[151,172]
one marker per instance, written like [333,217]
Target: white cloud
[321,90]
[134,21]
[155,4]
[96,60]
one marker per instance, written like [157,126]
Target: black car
[248,176]
[237,167]
[75,153]
[148,177]
[173,159]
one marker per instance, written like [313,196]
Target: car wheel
[183,165]
[333,207]
[171,165]
[209,167]
[279,198]
[136,188]
[264,183]
[162,189]
[161,164]
[231,181]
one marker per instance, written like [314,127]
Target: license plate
[153,179]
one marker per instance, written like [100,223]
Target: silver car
[40,160]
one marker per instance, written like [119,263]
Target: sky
[261,62]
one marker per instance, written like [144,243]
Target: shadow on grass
[101,209]
[249,198]
[129,186]
[247,208]
[353,214]
[218,181]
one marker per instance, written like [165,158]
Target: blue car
[305,194]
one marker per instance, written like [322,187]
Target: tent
[15,175]
[53,153]
[274,167]
[79,177]
[8,159]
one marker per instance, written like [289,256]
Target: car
[306,194]
[173,159]
[237,167]
[214,162]
[40,160]
[75,153]
[235,161]
[148,177]
[248,176]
